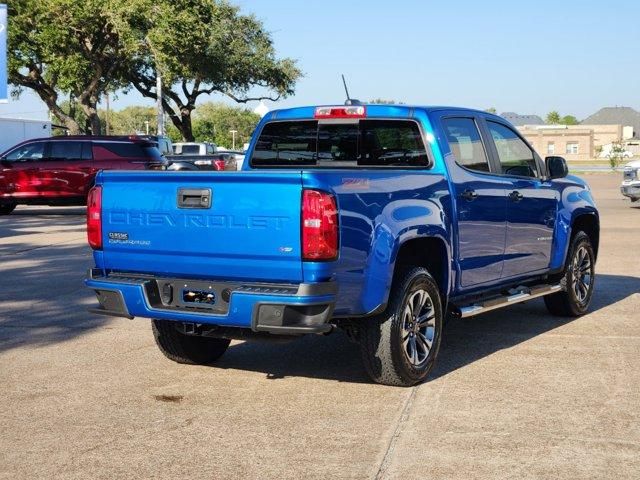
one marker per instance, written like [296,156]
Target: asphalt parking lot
[516,393]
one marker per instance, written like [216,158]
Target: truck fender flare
[437,233]
[564,232]
[400,222]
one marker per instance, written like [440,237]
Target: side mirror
[556,167]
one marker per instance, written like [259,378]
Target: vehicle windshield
[340,144]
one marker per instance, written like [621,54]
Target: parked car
[216,161]
[374,219]
[161,142]
[631,181]
[61,170]
[239,157]
[194,148]
[623,154]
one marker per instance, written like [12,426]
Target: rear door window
[87,153]
[71,151]
[465,143]
[131,150]
[341,144]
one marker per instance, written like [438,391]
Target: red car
[61,170]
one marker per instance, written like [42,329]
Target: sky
[528,57]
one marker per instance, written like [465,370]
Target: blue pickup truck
[379,220]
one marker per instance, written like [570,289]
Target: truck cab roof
[372,110]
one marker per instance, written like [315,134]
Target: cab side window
[516,158]
[465,143]
[27,152]
[66,151]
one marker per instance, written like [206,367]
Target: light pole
[233,133]
[147,125]
[159,103]
[107,126]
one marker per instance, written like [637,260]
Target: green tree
[491,110]
[132,120]
[616,154]
[213,122]
[553,118]
[598,150]
[204,47]
[66,49]
[569,120]
[80,50]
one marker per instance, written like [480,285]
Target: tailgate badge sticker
[118,236]
[122,238]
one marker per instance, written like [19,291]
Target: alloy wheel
[418,327]
[582,273]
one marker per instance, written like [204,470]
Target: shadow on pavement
[39,222]
[464,341]
[42,296]
[43,301]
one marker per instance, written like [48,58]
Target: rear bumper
[630,189]
[287,309]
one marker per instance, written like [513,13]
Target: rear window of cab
[330,143]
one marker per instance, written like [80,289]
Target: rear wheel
[7,208]
[578,280]
[399,347]
[189,349]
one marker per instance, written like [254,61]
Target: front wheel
[189,349]
[399,347]
[578,280]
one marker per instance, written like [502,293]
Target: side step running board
[516,295]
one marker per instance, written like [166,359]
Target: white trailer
[13,131]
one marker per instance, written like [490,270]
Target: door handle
[194,198]
[515,196]
[469,195]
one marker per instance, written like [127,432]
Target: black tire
[385,343]
[189,349]
[578,280]
[7,208]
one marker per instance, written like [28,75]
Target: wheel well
[589,224]
[430,253]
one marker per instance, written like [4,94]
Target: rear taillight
[319,226]
[94,218]
[220,164]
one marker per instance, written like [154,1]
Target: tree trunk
[90,109]
[73,127]
[179,112]
[183,123]
[96,124]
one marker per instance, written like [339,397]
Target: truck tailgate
[159,223]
